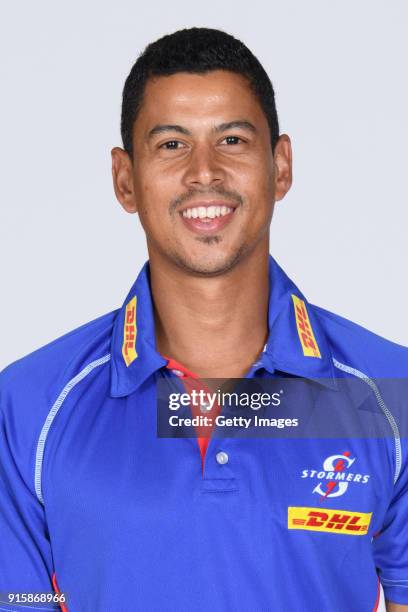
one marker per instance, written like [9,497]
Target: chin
[210,266]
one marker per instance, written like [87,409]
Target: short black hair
[197,51]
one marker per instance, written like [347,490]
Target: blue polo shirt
[92,499]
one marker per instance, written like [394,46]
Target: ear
[283,166]
[123,179]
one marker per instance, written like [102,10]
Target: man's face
[203,178]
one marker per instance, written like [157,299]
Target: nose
[203,168]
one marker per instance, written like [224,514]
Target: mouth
[204,217]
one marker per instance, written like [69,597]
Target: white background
[69,253]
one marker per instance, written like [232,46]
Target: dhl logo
[330,521]
[129,333]
[306,335]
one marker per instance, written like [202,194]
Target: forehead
[218,95]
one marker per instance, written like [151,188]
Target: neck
[216,327]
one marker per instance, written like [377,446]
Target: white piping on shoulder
[50,417]
[384,408]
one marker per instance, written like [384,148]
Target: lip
[199,226]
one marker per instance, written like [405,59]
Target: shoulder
[51,364]
[360,348]
[30,386]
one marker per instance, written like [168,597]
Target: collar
[296,343]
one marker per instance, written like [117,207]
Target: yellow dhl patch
[129,333]
[305,331]
[330,521]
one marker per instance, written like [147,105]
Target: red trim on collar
[192,382]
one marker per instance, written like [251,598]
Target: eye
[171,145]
[233,140]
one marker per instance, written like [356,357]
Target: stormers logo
[129,333]
[305,331]
[335,477]
[331,521]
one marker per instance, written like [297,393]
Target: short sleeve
[25,551]
[390,547]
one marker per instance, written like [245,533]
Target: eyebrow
[161,129]
[240,124]
[222,127]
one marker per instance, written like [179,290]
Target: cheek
[266,184]
[150,197]
[157,181]
[153,208]
[259,186]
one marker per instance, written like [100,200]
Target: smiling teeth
[203,212]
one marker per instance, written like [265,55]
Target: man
[98,506]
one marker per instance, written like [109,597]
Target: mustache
[226,194]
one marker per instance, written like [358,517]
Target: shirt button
[221,458]
[178,373]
